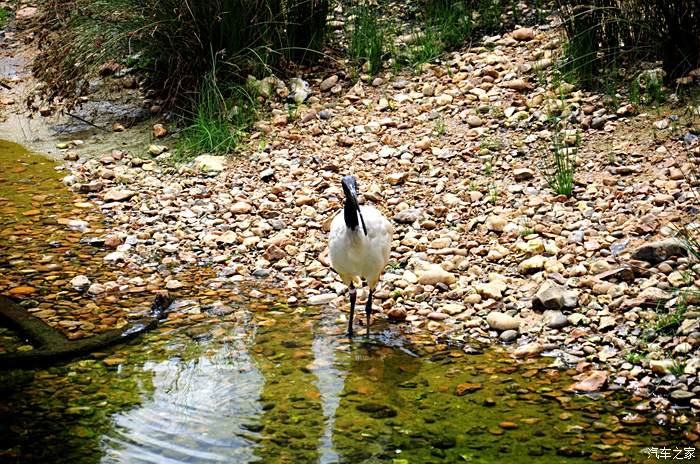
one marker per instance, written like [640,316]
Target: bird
[359,246]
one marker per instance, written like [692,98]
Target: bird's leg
[368,308]
[353,297]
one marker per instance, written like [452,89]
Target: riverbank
[483,249]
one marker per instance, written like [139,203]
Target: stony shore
[483,249]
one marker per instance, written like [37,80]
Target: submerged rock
[80,283]
[528,350]
[593,382]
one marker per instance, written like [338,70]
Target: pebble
[118,194]
[159,131]
[464,388]
[508,336]
[80,283]
[529,350]
[322,299]
[523,34]
[475,121]
[328,83]
[496,223]
[554,296]
[493,290]
[502,321]
[241,207]
[210,163]
[555,319]
[435,275]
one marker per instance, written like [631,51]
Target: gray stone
[598,123]
[682,397]
[508,336]
[555,319]
[267,174]
[553,296]
[328,83]
[657,252]
[322,299]
[408,216]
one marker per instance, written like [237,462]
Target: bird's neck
[350,213]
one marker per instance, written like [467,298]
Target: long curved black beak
[352,206]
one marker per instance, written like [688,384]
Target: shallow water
[285,385]
[48,235]
[235,381]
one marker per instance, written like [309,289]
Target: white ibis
[359,246]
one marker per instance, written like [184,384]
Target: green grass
[491,144]
[5,17]
[427,48]
[173,44]
[218,122]
[558,167]
[677,369]
[651,87]
[668,323]
[490,12]
[440,126]
[493,194]
[604,36]
[447,25]
[451,21]
[635,357]
[368,39]
[690,236]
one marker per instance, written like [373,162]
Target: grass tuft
[174,43]
[5,17]
[607,35]
[368,38]
[218,122]
[558,167]
[451,21]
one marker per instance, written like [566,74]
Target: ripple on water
[299,391]
[200,411]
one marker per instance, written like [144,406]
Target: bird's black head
[353,215]
[349,184]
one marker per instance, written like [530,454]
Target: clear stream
[239,381]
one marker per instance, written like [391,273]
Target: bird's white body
[354,254]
